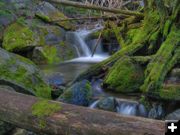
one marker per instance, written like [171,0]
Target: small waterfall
[126,107]
[94,104]
[85,46]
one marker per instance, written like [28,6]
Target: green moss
[170,93]
[50,53]
[145,102]
[166,28]
[124,76]
[162,63]
[43,17]
[24,73]
[17,36]
[43,109]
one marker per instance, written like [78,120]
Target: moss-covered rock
[48,41]
[18,36]
[125,76]
[53,48]
[79,94]
[49,13]
[21,74]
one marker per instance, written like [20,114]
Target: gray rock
[174,115]
[79,93]
[108,104]
[22,74]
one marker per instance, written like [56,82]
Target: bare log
[81,5]
[94,18]
[17,109]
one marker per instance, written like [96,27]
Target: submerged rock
[21,74]
[108,104]
[174,115]
[79,93]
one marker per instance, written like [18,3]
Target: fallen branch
[97,43]
[18,109]
[81,5]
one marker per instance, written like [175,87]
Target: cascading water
[85,49]
[125,107]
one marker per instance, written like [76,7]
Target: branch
[81,5]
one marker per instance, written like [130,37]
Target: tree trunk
[159,36]
[55,118]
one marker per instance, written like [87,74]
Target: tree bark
[17,109]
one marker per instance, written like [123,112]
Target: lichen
[43,109]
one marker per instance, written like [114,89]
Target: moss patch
[124,76]
[43,109]
[17,36]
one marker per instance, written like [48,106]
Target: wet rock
[79,93]
[156,112]
[5,128]
[174,115]
[142,111]
[22,74]
[45,42]
[49,13]
[108,104]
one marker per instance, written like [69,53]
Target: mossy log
[55,118]
[158,35]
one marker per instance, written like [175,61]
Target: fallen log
[82,5]
[94,18]
[55,118]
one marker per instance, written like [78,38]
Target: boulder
[108,104]
[22,74]
[19,37]
[174,115]
[46,41]
[125,76]
[79,93]
[49,13]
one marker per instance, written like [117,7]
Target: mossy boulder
[21,74]
[49,13]
[79,93]
[45,44]
[19,36]
[53,48]
[125,76]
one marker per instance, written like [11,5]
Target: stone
[174,115]
[79,93]
[22,75]
[108,104]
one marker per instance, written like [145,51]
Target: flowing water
[69,70]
